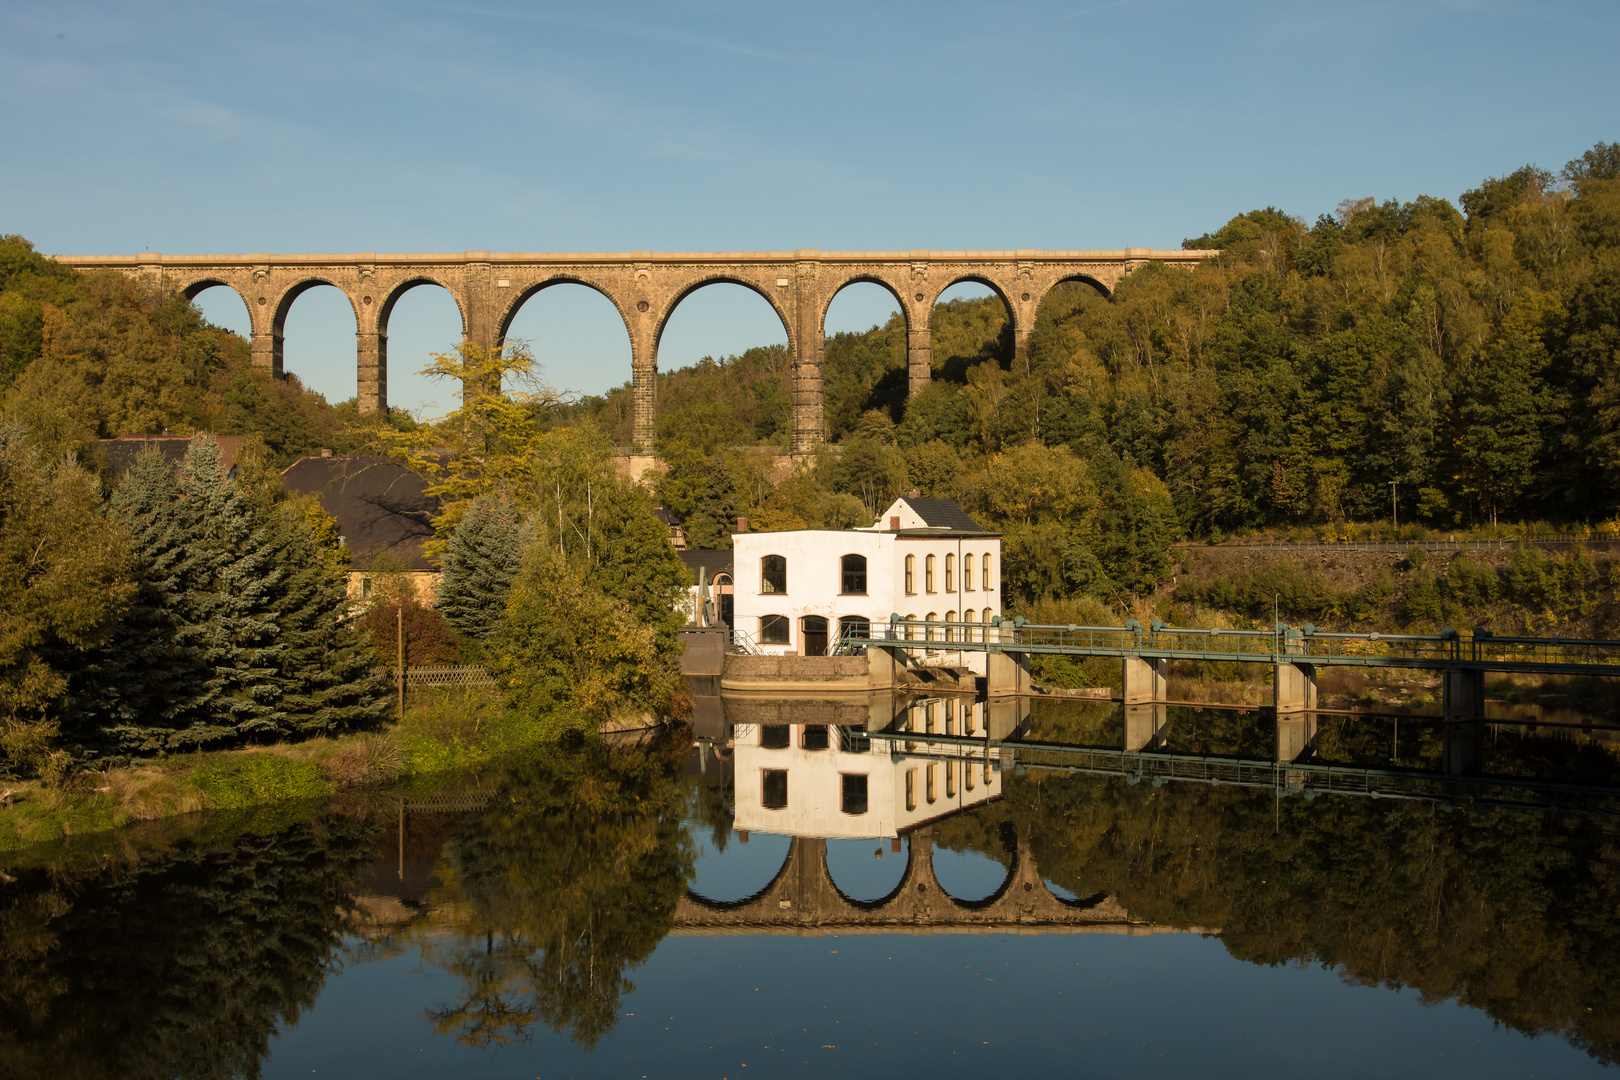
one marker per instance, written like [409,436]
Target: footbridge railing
[1448,650]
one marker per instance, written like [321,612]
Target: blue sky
[356,126]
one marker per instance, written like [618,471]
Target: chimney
[325,452]
[914,494]
[894,523]
[742,525]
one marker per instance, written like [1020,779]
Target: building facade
[798,592]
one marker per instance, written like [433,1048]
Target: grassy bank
[443,732]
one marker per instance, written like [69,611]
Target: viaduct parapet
[645,287]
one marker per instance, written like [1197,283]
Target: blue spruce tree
[479,564]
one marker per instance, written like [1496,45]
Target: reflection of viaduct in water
[802,897]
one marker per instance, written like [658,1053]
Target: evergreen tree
[134,693]
[228,574]
[479,564]
[325,674]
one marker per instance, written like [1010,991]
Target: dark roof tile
[379,504]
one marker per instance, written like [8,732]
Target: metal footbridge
[1448,650]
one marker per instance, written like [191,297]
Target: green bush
[245,780]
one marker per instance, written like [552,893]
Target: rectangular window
[854,792]
[853,569]
[933,788]
[814,737]
[911,789]
[774,630]
[772,575]
[774,789]
[773,736]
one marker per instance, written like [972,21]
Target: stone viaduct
[645,287]
[802,898]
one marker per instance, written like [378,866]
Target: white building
[797,592]
[836,782]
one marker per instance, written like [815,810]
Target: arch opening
[868,871]
[731,330]
[581,342]
[971,324]
[223,306]
[418,319]
[317,327]
[863,356]
[975,875]
[735,869]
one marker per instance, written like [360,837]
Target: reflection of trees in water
[182,965]
[1512,912]
[566,882]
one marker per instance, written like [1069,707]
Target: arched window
[854,626]
[969,616]
[933,787]
[932,617]
[950,618]
[774,630]
[950,779]
[772,575]
[967,572]
[928,574]
[988,615]
[986,565]
[911,576]
[911,631]
[854,577]
[950,573]
[911,789]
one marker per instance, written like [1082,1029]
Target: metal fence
[444,675]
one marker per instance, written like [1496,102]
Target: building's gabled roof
[915,515]
[380,505]
[717,560]
[944,514]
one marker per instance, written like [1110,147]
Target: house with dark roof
[383,513]
[117,456]
[797,592]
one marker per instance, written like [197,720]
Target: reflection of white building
[836,782]
[796,592]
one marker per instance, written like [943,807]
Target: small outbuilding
[383,513]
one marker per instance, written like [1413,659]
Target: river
[870,888]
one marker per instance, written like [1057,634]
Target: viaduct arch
[645,287]
[804,897]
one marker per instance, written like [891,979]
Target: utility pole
[1394,511]
[399,668]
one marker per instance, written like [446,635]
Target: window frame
[967,572]
[950,571]
[767,586]
[911,575]
[765,776]
[843,793]
[844,573]
[782,620]
[928,573]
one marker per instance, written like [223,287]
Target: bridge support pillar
[1144,679]
[1463,709]
[885,668]
[266,351]
[1007,673]
[919,357]
[371,355]
[1144,726]
[1293,688]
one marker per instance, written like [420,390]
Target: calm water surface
[655,910]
